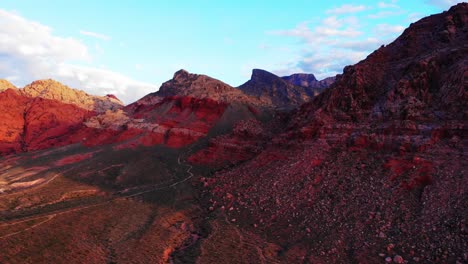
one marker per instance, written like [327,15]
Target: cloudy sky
[130,47]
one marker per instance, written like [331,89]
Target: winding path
[52,215]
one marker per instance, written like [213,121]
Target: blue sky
[129,48]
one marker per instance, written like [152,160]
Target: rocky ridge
[273,90]
[315,87]
[53,90]
[199,86]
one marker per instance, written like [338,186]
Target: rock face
[53,90]
[273,90]
[35,123]
[315,87]
[174,121]
[376,163]
[45,114]
[4,85]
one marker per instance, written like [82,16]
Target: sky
[129,48]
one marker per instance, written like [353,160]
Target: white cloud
[330,27]
[346,9]
[30,51]
[413,17]
[443,3]
[109,82]
[95,35]
[386,29]
[332,63]
[360,45]
[391,4]
[335,42]
[384,14]
[328,46]
[23,38]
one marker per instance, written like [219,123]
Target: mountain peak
[305,77]
[262,75]
[273,90]
[181,75]
[458,7]
[5,84]
[198,86]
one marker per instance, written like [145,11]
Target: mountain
[200,86]
[184,110]
[374,167]
[273,90]
[371,170]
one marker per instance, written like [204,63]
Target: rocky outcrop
[53,90]
[45,114]
[4,85]
[174,121]
[36,123]
[273,90]
[313,86]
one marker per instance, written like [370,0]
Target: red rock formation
[11,121]
[246,140]
[36,123]
[372,170]
[173,121]
[181,120]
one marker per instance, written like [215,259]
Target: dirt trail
[50,217]
[53,214]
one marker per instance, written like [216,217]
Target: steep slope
[35,123]
[273,90]
[374,169]
[173,121]
[53,90]
[45,114]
